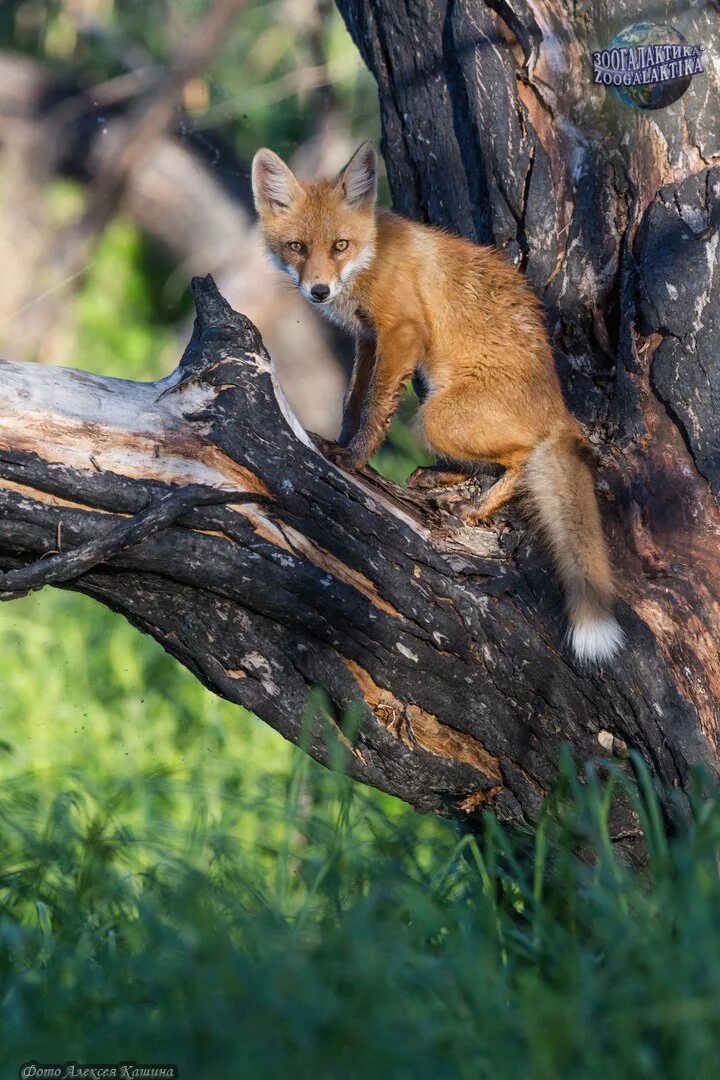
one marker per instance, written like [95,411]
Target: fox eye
[295,245]
[341,245]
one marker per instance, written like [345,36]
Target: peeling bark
[268,571]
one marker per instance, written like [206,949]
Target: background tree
[154,117]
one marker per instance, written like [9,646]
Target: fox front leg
[397,354]
[357,392]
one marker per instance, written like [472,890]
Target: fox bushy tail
[559,487]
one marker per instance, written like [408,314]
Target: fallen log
[204,513]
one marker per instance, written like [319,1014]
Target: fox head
[322,232]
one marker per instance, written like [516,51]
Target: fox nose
[320,292]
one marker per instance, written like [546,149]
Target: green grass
[178,884]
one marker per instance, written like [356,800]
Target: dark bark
[493,127]
[451,641]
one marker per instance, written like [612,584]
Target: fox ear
[358,179]
[274,185]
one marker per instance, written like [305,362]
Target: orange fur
[417,298]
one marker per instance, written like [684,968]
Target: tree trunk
[493,127]
[200,509]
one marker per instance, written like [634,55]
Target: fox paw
[423,479]
[344,457]
[430,478]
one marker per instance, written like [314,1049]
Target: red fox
[420,300]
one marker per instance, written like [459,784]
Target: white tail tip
[597,641]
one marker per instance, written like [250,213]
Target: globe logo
[648,66]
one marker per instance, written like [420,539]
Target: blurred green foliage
[123,326]
[261,89]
